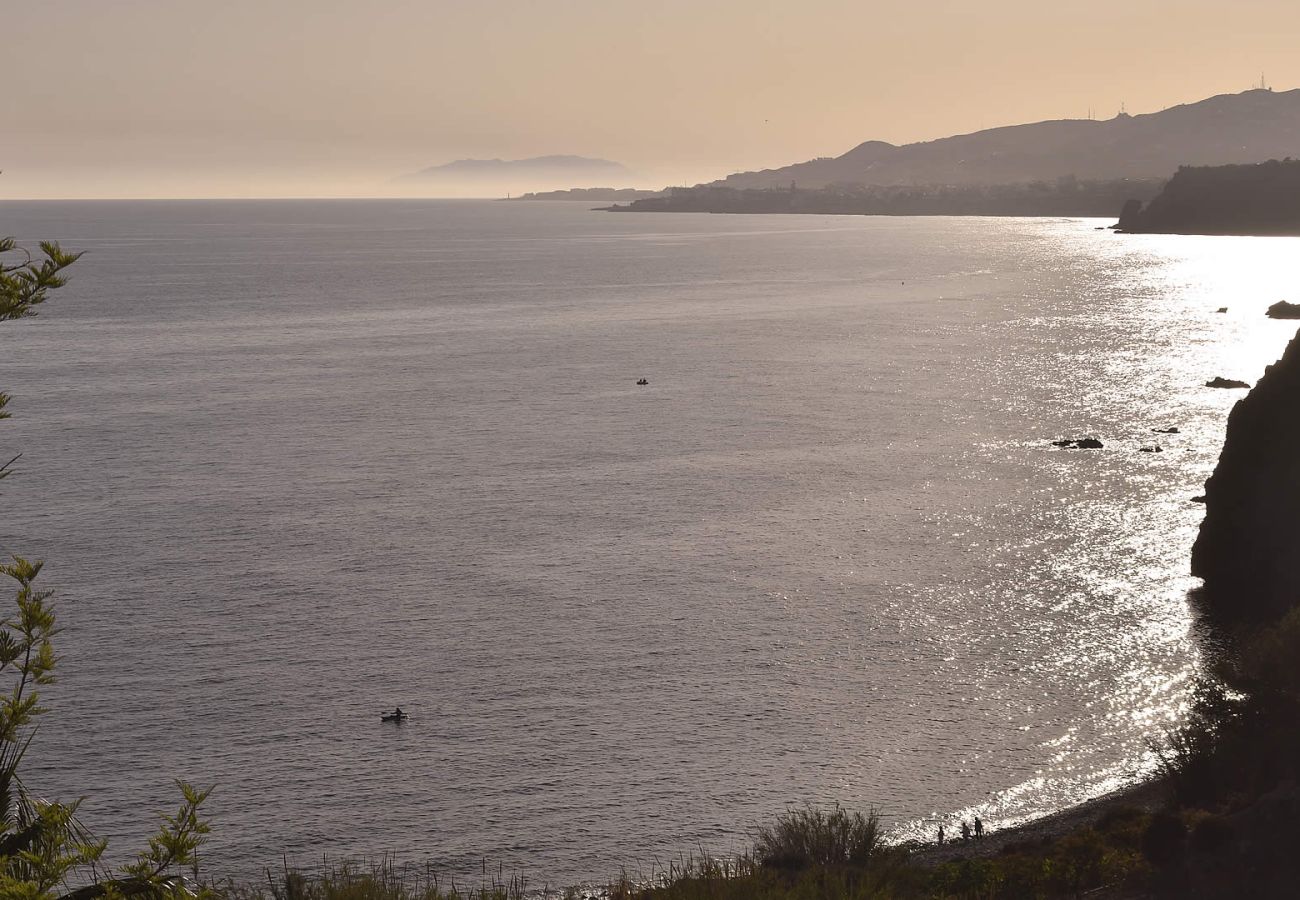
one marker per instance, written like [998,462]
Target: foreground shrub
[814,837]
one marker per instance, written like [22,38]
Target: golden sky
[180,98]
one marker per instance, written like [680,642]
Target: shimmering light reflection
[1098,595]
[1245,275]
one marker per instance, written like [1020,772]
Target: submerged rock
[1283,310]
[1246,549]
[1079,444]
[1172,429]
[1220,382]
[1153,449]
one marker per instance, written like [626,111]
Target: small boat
[398,717]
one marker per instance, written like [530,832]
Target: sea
[293,464]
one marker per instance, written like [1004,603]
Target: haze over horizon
[143,98]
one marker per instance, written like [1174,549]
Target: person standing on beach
[979,828]
[965,831]
[941,834]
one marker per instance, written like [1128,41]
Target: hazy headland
[595,194]
[500,177]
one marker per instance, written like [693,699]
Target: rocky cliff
[1263,198]
[1248,550]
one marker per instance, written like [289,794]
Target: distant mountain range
[546,168]
[1231,128]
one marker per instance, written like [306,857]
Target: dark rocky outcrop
[1248,549]
[1240,199]
[1283,310]
[1079,444]
[1219,381]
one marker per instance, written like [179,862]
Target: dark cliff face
[1263,198]
[1248,550]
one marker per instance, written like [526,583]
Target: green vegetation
[44,850]
[24,286]
[385,881]
[811,837]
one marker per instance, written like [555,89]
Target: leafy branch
[25,285]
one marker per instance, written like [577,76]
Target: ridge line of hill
[1227,128]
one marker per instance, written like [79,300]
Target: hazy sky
[293,97]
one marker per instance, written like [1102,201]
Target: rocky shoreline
[1146,796]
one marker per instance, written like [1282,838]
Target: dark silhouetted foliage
[814,837]
[1165,840]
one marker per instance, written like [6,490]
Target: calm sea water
[294,463]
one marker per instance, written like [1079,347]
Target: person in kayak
[398,714]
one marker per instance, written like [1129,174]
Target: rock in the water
[1246,549]
[1079,444]
[1172,429]
[1153,449]
[1199,498]
[1220,382]
[1283,310]
[1222,309]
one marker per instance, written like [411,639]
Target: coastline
[1145,796]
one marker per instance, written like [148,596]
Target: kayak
[393,718]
